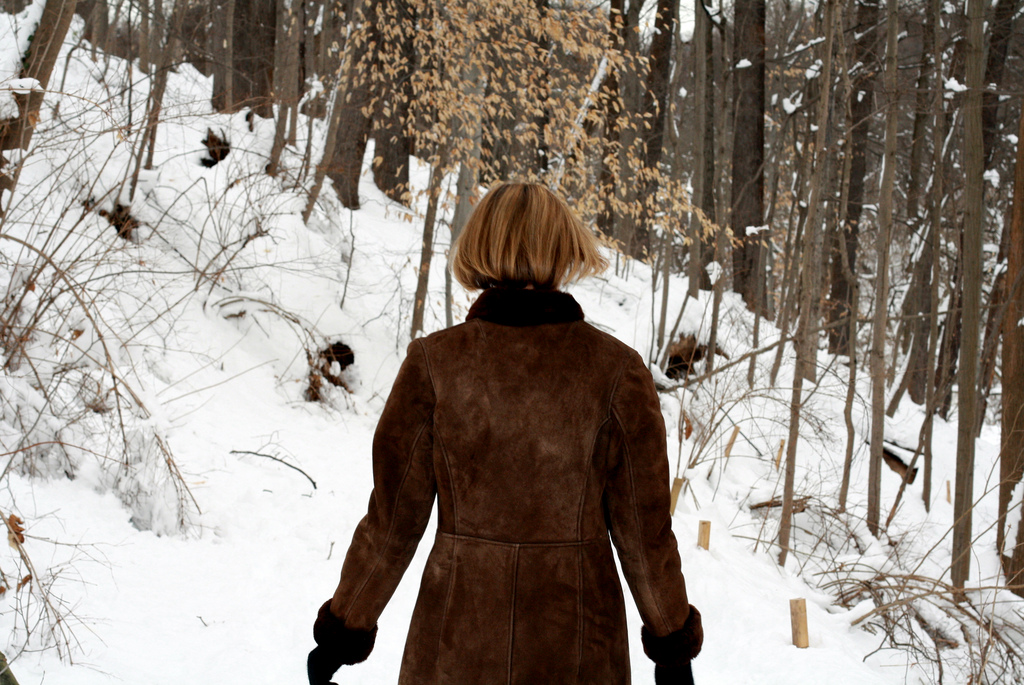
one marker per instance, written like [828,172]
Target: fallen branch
[279,460]
[799,504]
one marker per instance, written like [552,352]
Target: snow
[754,230]
[954,86]
[1016,502]
[743,64]
[207,316]
[992,176]
[22,86]
[715,272]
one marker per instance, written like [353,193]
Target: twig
[277,459]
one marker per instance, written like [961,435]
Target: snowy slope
[214,342]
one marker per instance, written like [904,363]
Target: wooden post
[778,457]
[732,441]
[6,677]
[704,535]
[677,486]
[798,617]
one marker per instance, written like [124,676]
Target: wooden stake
[949,496]
[778,457]
[798,617]
[732,441]
[704,535]
[677,486]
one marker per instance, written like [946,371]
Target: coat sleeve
[637,502]
[403,495]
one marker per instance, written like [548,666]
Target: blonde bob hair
[524,234]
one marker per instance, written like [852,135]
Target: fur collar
[521,307]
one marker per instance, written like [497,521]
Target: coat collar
[520,307]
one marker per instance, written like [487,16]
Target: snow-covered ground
[207,317]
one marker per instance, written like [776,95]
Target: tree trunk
[334,116]
[999,43]
[281,25]
[38,62]
[883,236]
[807,332]
[852,441]
[610,106]
[627,228]
[156,97]
[354,122]
[974,157]
[748,150]
[862,108]
[437,173]
[96,25]
[701,247]
[253,52]
[656,100]
[1002,23]
[224,70]
[1011,456]
[921,113]
[465,187]
[144,35]
[935,220]
[392,145]
[13,6]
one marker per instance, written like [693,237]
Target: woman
[539,435]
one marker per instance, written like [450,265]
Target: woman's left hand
[320,666]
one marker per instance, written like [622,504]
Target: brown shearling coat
[539,435]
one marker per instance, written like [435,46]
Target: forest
[815,210]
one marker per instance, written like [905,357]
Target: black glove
[337,646]
[673,653]
[673,675]
[320,666]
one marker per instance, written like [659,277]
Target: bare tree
[748,151]
[15,133]
[224,56]
[974,158]
[1011,456]
[807,333]
[701,247]
[862,105]
[437,172]
[392,142]
[286,78]
[882,238]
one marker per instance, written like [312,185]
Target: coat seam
[636,517]
[453,562]
[586,479]
[615,389]
[579,612]
[430,372]
[440,439]
[451,483]
[394,522]
[512,610]
[503,543]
